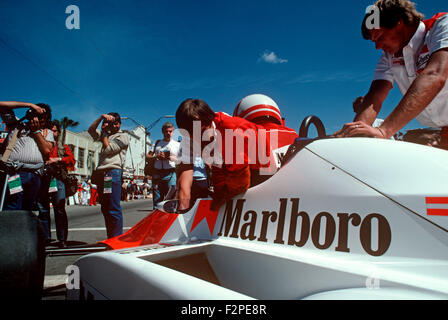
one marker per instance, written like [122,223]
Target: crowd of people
[415,56]
[87,194]
[131,189]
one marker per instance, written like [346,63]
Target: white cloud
[271,57]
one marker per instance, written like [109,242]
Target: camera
[52,170]
[109,122]
[31,114]
[8,168]
[108,126]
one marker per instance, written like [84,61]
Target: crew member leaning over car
[416,58]
[231,172]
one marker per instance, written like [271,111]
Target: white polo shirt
[404,70]
[163,146]
[26,149]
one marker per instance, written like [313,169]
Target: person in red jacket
[60,162]
[93,193]
[238,147]
[264,111]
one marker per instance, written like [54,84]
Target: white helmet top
[258,106]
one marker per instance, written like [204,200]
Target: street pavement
[86,226]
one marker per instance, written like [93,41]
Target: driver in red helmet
[262,110]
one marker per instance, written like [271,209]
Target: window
[91,160]
[80,159]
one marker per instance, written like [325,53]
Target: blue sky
[142,58]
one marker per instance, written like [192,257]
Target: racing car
[349,218]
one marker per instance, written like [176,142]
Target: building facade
[86,152]
[135,156]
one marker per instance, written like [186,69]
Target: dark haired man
[25,158]
[231,163]
[110,167]
[428,137]
[416,58]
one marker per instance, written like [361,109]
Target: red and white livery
[352,218]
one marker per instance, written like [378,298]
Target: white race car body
[351,218]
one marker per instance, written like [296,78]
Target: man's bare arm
[6,106]
[149,155]
[184,183]
[422,91]
[366,108]
[419,95]
[92,129]
[105,141]
[370,105]
[44,146]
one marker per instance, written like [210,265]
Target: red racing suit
[259,155]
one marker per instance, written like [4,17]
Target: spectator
[146,188]
[78,194]
[124,192]
[138,191]
[110,168]
[85,193]
[130,189]
[61,161]
[93,194]
[166,152]
[26,160]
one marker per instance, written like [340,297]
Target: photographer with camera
[26,148]
[108,174]
[52,188]
[166,153]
